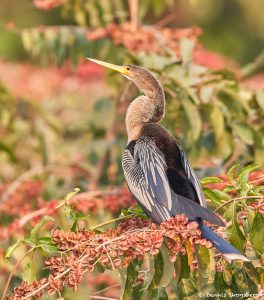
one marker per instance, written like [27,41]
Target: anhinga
[156,168]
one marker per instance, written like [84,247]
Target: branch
[14,269]
[77,197]
[103,298]
[111,221]
[237,199]
[133,8]
[25,176]
[107,288]
[83,257]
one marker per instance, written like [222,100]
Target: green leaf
[149,276]
[154,294]
[218,122]
[158,7]
[222,195]
[28,241]
[74,226]
[206,269]
[45,240]
[9,151]
[212,195]
[38,226]
[244,132]
[123,275]
[80,216]
[236,237]
[252,273]
[48,248]
[260,98]
[159,264]
[226,146]
[243,282]
[68,212]
[100,267]
[229,188]
[193,117]
[177,268]
[185,268]
[186,50]
[131,276]
[71,194]
[187,290]
[168,267]
[231,172]
[227,276]
[256,234]
[11,249]
[242,176]
[208,180]
[162,294]
[30,268]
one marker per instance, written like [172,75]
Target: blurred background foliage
[234,28]
[209,107]
[62,118]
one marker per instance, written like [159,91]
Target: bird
[156,168]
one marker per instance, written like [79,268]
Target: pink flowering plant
[150,259]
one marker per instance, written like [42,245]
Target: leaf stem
[237,199]
[111,221]
[14,269]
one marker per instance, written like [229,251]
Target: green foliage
[34,240]
[256,234]
[94,13]
[213,115]
[209,111]
[162,277]
[56,44]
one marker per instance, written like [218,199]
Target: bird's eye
[128,68]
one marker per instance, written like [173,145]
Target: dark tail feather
[228,251]
[193,210]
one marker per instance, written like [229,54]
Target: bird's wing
[145,173]
[192,177]
[146,177]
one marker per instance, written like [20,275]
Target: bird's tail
[228,251]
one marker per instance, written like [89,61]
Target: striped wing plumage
[192,177]
[145,173]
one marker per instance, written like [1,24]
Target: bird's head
[138,75]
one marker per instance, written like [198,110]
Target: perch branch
[237,199]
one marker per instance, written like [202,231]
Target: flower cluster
[28,205]
[111,202]
[25,288]
[48,4]
[132,239]
[256,177]
[144,39]
[153,40]
[257,206]
[23,198]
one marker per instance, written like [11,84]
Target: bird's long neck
[147,108]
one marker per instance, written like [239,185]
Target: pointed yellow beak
[121,69]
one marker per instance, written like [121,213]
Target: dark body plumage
[176,174]
[184,187]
